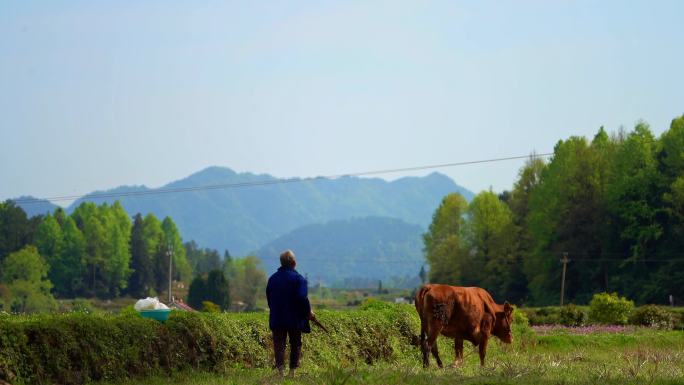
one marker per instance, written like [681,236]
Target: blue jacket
[286,293]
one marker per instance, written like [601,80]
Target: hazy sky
[95,94]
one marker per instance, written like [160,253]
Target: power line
[267,182]
[337,261]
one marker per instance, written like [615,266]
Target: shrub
[678,316]
[610,309]
[81,305]
[549,315]
[210,307]
[77,348]
[652,316]
[371,303]
[571,315]
[521,328]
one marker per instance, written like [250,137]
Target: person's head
[287,259]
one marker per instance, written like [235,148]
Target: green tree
[48,239]
[218,290]
[529,179]
[492,261]
[567,213]
[201,260]
[60,216]
[634,203]
[117,247]
[141,282]
[247,280]
[107,232]
[24,272]
[669,278]
[94,231]
[172,238]
[444,248]
[15,228]
[422,275]
[68,271]
[156,248]
[197,292]
[161,268]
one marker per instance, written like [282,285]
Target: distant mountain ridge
[360,249]
[35,206]
[243,219]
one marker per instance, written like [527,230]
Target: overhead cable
[264,182]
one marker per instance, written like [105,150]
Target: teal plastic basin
[158,314]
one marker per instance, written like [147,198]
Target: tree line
[99,251]
[614,204]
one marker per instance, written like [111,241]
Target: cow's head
[502,326]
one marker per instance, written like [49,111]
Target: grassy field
[637,356]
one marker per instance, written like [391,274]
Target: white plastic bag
[149,304]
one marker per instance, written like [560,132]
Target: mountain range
[365,249]
[267,215]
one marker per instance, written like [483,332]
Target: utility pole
[169,252]
[565,261]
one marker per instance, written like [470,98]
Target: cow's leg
[435,353]
[483,348]
[423,343]
[458,352]
[434,328]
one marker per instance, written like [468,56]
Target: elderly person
[290,311]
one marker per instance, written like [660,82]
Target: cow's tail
[420,302]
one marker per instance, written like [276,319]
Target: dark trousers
[279,337]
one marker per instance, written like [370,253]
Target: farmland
[639,356]
[376,345]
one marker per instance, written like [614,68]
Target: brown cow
[462,313]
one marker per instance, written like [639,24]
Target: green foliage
[68,273]
[652,316]
[211,288]
[218,289]
[95,347]
[172,238]
[476,245]
[491,239]
[615,204]
[48,239]
[202,260]
[141,282]
[566,213]
[210,307]
[107,231]
[24,273]
[609,308]
[81,305]
[444,249]
[197,292]
[547,315]
[15,229]
[571,315]
[521,329]
[247,280]
[371,303]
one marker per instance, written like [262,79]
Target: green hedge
[78,348]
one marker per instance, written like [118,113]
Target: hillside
[243,219]
[358,249]
[34,208]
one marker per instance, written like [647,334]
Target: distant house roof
[180,305]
